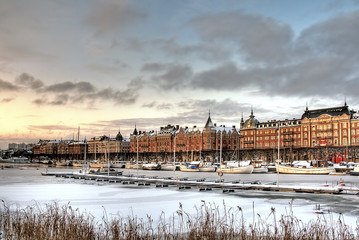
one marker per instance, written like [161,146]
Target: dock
[202,184]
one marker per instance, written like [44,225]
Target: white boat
[232,169]
[168,167]
[151,166]
[206,167]
[355,171]
[304,170]
[344,167]
[118,164]
[190,167]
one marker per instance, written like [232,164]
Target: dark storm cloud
[322,61]
[29,81]
[337,36]
[65,93]
[7,86]
[174,77]
[258,39]
[81,87]
[111,16]
[204,51]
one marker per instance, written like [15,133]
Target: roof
[335,111]
[209,123]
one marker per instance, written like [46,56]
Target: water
[21,188]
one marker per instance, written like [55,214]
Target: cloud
[149,105]
[29,81]
[65,93]
[7,86]
[258,39]
[80,87]
[320,61]
[208,52]
[6,100]
[112,16]
[174,76]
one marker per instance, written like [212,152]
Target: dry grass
[210,222]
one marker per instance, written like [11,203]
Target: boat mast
[278,128]
[137,156]
[174,156]
[108,158]
[220,160]
[85,151]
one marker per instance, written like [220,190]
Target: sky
[108,66]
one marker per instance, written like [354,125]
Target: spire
[242,121]
[251,116]
[135,131]
[345,101]
[209,123]
[306,106]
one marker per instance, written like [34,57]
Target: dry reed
[52,221]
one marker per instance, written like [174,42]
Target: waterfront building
[326,133]
[318,134]
[189,144]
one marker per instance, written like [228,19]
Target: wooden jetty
[202,184]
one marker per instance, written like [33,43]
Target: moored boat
[355,171]
[190,167]
[133,165]
[151,166]
[206,167]
[61,163]
[118,164]
[239,170]
[98,164]
[168,167]
[304,170]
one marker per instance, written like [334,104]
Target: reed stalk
[210,222]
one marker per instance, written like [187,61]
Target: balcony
[249,142]
[288,133]
[288,140]
[325,130]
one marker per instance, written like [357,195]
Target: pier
[202,184]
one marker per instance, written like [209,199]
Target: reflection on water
[27,186]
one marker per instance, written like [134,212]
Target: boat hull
[167,167]
[293,170]
[354,173]
[237,170]
[188,169]
[151,166]
[260,170]
[207,169]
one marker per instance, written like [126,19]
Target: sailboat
[235,167]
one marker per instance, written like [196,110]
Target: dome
[251,122]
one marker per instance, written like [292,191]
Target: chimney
[234,126]
[194,126]
[215,124]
